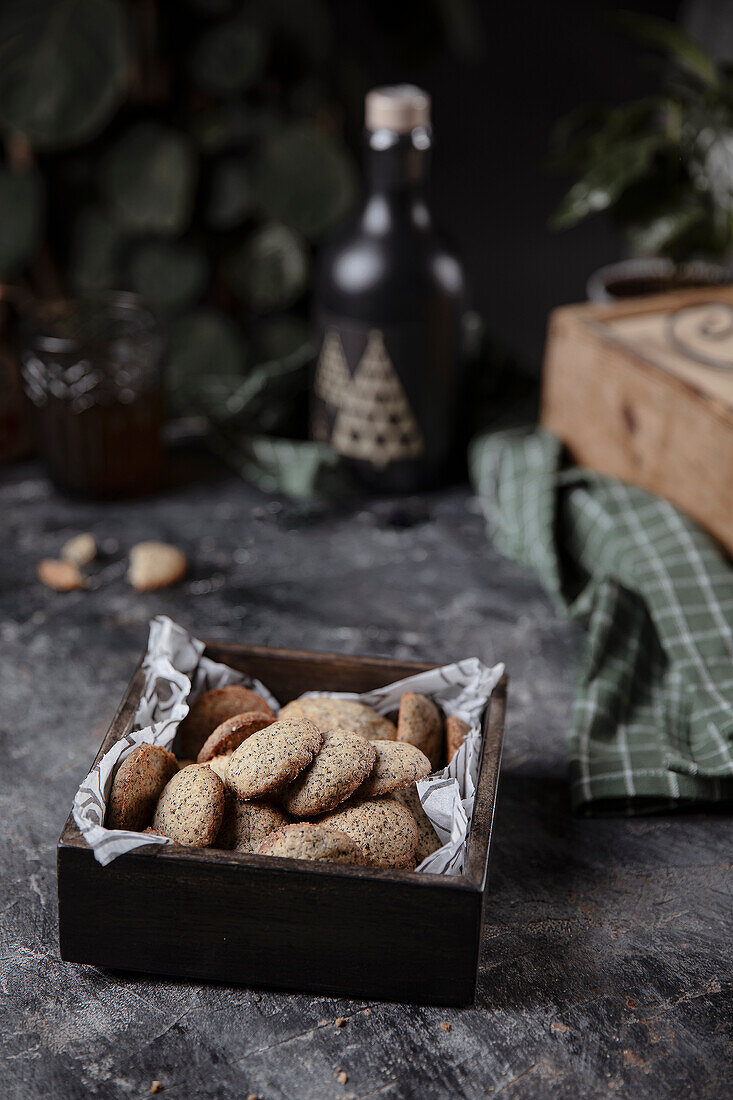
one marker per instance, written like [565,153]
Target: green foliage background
[192,151]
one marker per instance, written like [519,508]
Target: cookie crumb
[80,550]
[341,1076]
[341,1022]
[157,1086]
[445,1025]
[323,1023]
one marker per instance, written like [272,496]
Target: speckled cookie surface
[316,842]
[218,764]
[137,785]
[211,709]
[191,808]
[246,824]
[230,734]
[419,723]
[342,765]
[398,764]
[427,838]
[270,759]
[383,828]
[456,732]
[347,714]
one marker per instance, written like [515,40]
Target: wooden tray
[642,390]
[324,928]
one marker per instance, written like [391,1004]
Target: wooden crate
[280,923]
[642,390]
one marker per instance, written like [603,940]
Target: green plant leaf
[21,216]
[660,235]
[300,28]
[148,177]
[606,180]
[168,276]
[229,57]
[279,337]
[231,195]
[62,68]
[95,252]
[206,361]
[232,125]
[665,36]
[305,180]
[270,269]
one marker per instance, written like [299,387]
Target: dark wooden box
[324,928]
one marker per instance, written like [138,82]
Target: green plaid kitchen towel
[652,723]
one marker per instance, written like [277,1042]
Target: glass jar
[92,371]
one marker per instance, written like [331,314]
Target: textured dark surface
[606,952]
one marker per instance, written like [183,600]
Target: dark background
[491,186]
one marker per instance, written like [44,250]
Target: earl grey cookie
[316,842]
[191,808]
[398,764]
[246,824]
[427,838]
[419,723]
[137,785]
[383,828]
[211,709]
[271,758]
[456,732]
[348,714]
[344,762]
[230,734]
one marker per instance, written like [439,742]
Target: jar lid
[400,108]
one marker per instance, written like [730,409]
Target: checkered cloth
[652,724]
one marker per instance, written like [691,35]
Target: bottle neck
[397,164]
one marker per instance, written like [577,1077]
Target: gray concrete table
[606,943]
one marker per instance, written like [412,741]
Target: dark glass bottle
[389,298]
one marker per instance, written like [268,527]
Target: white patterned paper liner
[176,673]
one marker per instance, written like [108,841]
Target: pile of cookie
[325,779]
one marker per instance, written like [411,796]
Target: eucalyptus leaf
[168,276]
[95,252]
[231,195]
[233,125]
[21,215]
[229,57]
[606,179]
[305,180]
[148,177]
[206,361]
[62,68]
[299,27]
[269,270]
[666,36]
[278,337]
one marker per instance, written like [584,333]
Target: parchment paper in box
[176,673]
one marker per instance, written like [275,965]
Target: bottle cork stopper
[399,107]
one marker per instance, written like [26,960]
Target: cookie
[218,764]
[317,842]
[427,838]
[347,714]
[246,824]
[137,785]
[155,565]
[344,762]
[191,807]
[398,765]
[271,758]
[230,734]
[211,709]
[384,828]
[456,732]
[152,832]
[419,723]
[62,576]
